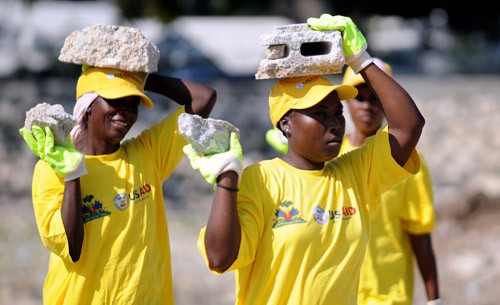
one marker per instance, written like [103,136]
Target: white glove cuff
[230,163]
[435,302]
[360,62]
[78,171]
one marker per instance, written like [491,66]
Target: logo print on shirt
[319,215]
[121,201]
[92,209]
[140,193]
[286,214]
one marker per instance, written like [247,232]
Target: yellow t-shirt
[304,233]
[387,276]
[125,257]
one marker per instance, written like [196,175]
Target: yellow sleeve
[47,196]
[418,215]
[379,177]
[163,143]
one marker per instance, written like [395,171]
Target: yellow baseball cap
[303,92]
[354,79]
[113,83]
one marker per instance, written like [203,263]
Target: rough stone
[53,116]
[207,136]
[297,50]
[111,46]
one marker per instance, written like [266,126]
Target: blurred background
[446,55]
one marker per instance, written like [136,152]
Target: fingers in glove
[39,135]
[191,153]
[188,149]
[29,139]
[327,22]
[49,140]
[235,145]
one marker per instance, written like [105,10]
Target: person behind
[98,199]
[295,228]
[401,228]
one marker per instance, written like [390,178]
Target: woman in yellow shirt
[98,199]
[295,228]
[401,228]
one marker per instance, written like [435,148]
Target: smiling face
[314,134]
[109,121]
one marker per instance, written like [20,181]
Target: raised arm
[198,98]
[67,162]
[403,117]
[223,232]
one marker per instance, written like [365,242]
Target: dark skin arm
[223,232]
[198,99]
[426,261]
[403,117]
[71,212]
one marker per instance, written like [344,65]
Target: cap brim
[355,80]
[346,92]
[114,93]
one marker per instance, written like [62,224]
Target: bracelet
[229,188]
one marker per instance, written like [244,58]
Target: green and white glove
[277,140]
[435,302]
[67,161]
[353,42]
[211,166]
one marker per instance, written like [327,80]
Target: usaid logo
[301,85]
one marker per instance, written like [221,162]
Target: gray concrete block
[207,136]
[297,50]
[111,46]
[53,116]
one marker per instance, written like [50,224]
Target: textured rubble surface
[207,136]
[111,46]
[54,117]
[297,50]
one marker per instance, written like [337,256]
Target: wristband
[435,302]
[360,62]
[78,171]
[229,188]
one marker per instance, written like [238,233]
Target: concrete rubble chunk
[297,50]
[207,136]
[53,116]
[111,46]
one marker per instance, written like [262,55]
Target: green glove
[67,161]
[277,140]
[211,166]
[353,42]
